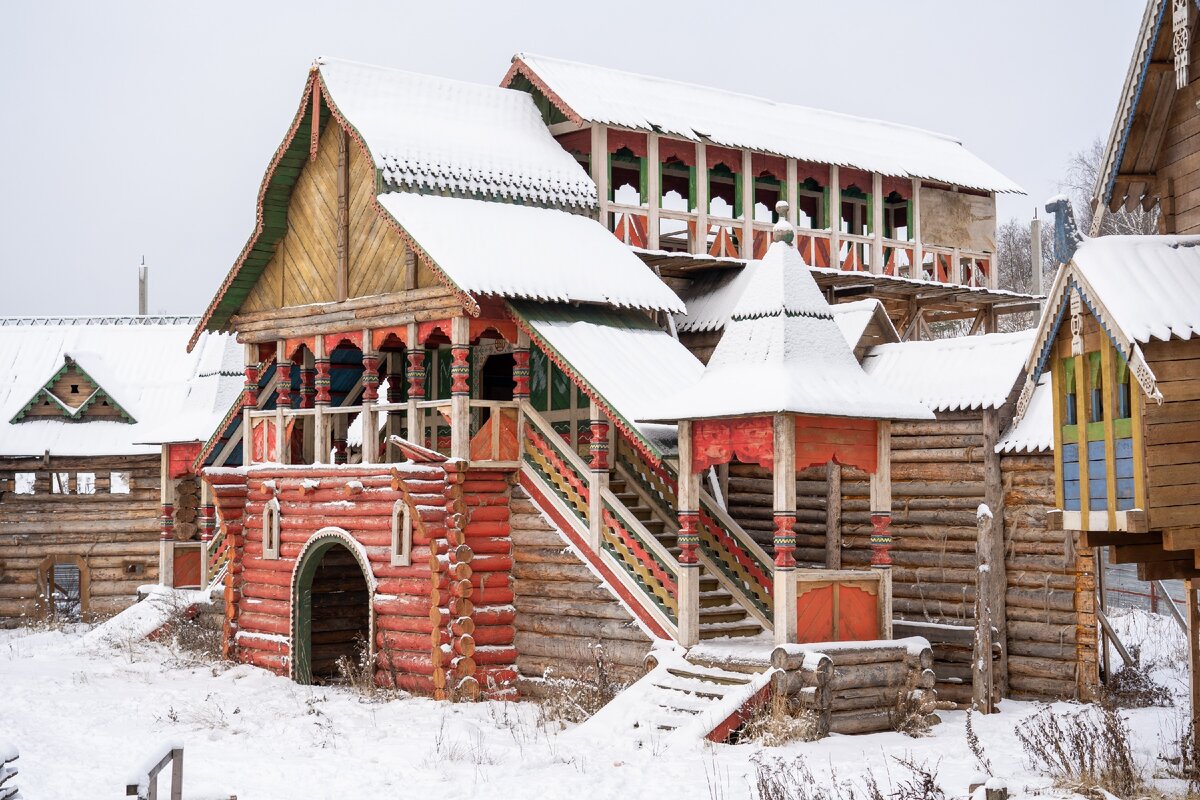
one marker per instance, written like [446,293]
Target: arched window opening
[270,529]
[401,534]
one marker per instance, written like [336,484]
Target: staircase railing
[738,562]
[214,554]
[648,573]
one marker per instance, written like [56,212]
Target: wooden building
[1151,157]
[441,457]
[86,402]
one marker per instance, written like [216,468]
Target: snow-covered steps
[682,700]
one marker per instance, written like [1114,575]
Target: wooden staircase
[682,699]
[720,614]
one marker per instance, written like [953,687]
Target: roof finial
[783,231]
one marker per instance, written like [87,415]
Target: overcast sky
[135,129]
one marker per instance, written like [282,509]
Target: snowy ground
[83,715]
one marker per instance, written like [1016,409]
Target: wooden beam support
[653,191]
[1109,538]
[993,488]
[1167,571]
[1181,539]
[1193,637]
[835,217]
[833,515]
[1145,553]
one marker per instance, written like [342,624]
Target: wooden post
[653,191]
[460,388]
[881,521]
[208,522]
[833,515]
[981,660]
[835,217]
[1193,618]
[598,477]
[1035,259]
[689,541]
[166,520]
[915,233]
[993,489]
[783,474]
[283,401]
[700,244]
[876,223]
[308,395]
[793,193]
[599,167]
[1101,593]
[321,402]
[249,402]
[747,179]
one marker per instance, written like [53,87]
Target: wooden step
[730,613]
[751,629]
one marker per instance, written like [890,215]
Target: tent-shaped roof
[514,251]
[960,374]
[585,93]
[171,395]
[427,133]
[782,353]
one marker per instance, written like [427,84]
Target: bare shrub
[572,700]
[976,746]
[358,672]
[778,721]
[1183,759]
[1084,751]
[908,714]
[793,779]
[1132,687]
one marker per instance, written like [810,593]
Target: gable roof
[1145,95]
[1139,288]
[960,374]
[516,251]
[853,319]
[435,134]
[1034,432]
[422,134]
[585,93]
[170,394]
[782,353]
[94,395]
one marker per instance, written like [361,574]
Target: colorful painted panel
[1097,477]
[814,615]
[858,614]
[1123,463]
[837,611]
[1070,464]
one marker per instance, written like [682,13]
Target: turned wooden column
[784,505]
[321,402]
[370,396]
[416,387]
[689,541]
[460,388]
[249,403]
[598,477]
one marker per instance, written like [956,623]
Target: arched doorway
[331,608]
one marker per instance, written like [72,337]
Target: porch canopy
[784,390]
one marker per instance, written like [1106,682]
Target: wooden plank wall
[115,535]
[1177,165]
[1172,435]
[563,609]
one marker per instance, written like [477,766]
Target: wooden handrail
[148,789]
[711,507]
[546,430]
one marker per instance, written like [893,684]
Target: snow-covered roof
[143,365]
[428,133]
[516,251]
[1034,432]
[961,374]
[782,352]
[588,93]
[853,318]
[628,361]
[1149,285]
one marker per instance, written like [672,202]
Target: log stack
[858,687]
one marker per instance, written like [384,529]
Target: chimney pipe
[142,288]
[1035,252]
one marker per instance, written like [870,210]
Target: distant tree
[1079,183]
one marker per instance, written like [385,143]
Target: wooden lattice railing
[215,555]
[647,572]
[728,551]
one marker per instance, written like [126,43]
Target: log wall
[564,611]
[1172,435]
[938,483]
[442,625]
[113,538]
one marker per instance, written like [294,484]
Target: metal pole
[1035,256]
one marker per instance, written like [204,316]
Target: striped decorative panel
[1070,462]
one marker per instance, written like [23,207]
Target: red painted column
[598,446]
[322,397]
[460,371]
[881,539]
[370,378]
[416,374]
[284,366]
[689,537]
[250,395]
[308,387]
[521,374]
